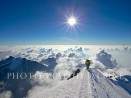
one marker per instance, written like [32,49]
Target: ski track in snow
[89,86]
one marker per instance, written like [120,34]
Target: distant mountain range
[21,65]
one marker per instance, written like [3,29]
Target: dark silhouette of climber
[74,74]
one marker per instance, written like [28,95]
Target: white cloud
[123,71]
[41,81]
[6,94]
[106,59]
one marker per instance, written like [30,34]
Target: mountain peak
[87,84]
[19,64]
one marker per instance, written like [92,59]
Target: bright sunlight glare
[72,21]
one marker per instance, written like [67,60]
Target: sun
[72,21]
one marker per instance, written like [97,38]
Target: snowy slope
[85,85]
[21,65]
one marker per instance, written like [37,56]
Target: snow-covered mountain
[49,62]
[21,65]
[15,75]
[56,65]
[87,84]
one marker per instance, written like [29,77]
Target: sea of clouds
[68,58]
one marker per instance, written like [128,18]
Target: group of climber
[87,63]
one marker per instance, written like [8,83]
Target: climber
[88,63]
[74,74]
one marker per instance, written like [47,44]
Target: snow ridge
[92,84]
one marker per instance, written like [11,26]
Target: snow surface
[85,85]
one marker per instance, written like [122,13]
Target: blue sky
[43,22]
